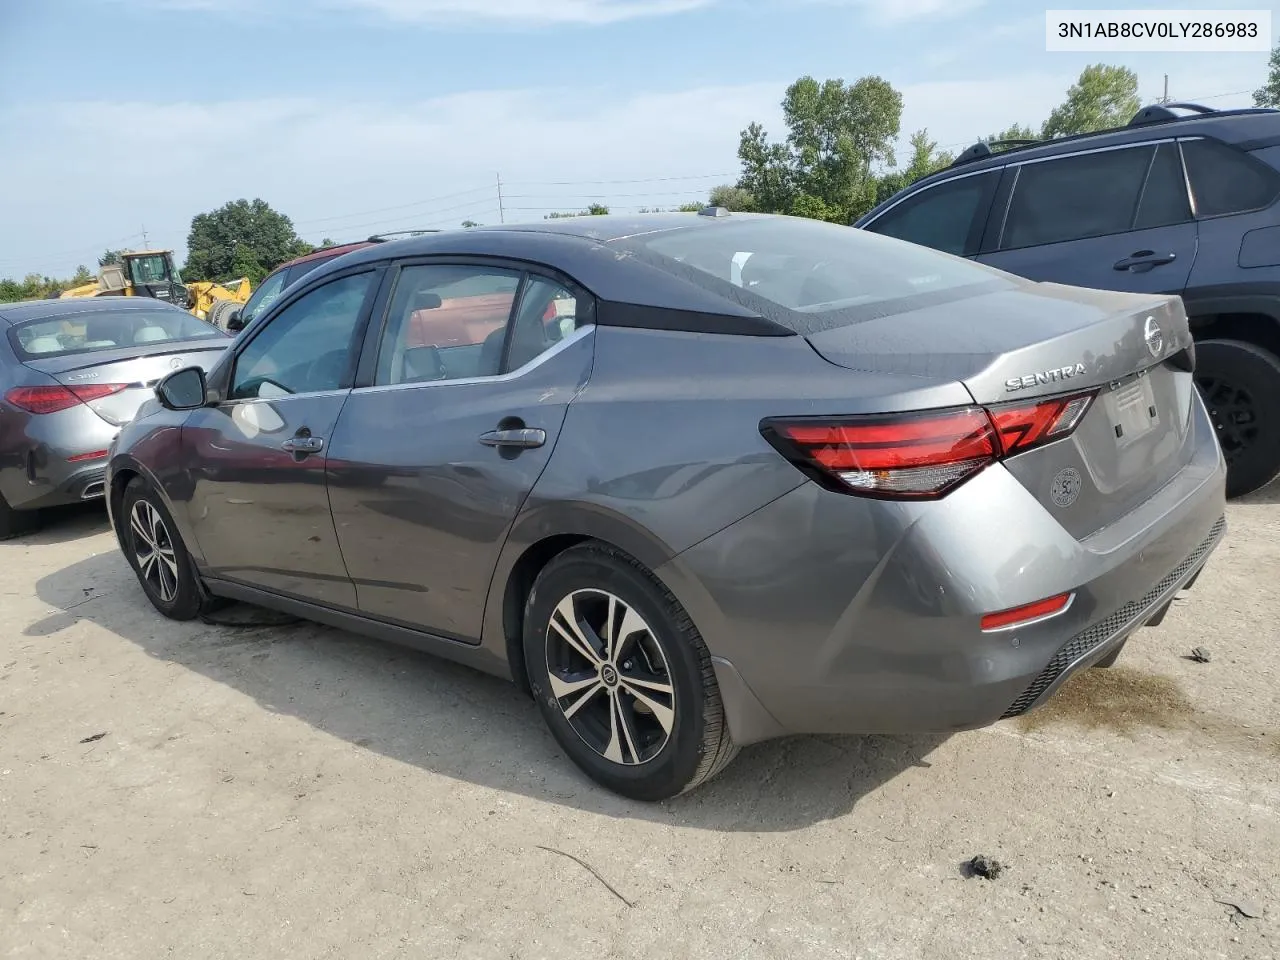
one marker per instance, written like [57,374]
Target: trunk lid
[139,374]
[1042,340]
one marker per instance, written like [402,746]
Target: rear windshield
[824,270]
[89,332]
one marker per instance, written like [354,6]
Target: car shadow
[64,525]
[458,722]
[1264,495]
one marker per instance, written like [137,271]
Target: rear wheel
[156,553]
[1240,383]
[14,523]
[622,676]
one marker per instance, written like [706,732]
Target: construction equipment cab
[1182,200]
[141,273]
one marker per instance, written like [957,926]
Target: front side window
[93,331]
[944,217]
[266,294]
[1225,180]
[307,347]
[1072,198]
[446,322]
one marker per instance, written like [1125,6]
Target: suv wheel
[1240,383]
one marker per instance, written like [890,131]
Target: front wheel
[155,551]
[622,676]
[1240,384]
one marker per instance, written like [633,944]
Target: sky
[359,116]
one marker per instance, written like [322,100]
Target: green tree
[691,207]
[1016,132]
[925,159]
[241,239]
[109,258]
[731,198]
[838,136]
[468,224]
[1102,97]
[1268,95]
[326,243]
[594,210]
[81,276]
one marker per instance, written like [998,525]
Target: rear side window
[945,217]
[1089,195]
[1225,180]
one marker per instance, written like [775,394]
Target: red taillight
[919,455]
[56,397]
[92,455]
[1022,426]
[1029,613]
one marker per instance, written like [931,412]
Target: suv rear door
[1115,219]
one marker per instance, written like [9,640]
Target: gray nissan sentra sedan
[71,372]
[694,480]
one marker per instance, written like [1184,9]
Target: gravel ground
[191,790]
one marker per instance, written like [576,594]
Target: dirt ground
[188,790]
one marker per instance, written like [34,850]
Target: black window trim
[220,387]
[1244,155]
[912,194]
[375,331]
[997,245]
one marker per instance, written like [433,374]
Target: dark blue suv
[1171,203]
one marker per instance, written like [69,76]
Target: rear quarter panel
[662,448]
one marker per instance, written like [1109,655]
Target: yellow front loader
[152,273]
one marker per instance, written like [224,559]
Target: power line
[398,206]
[584,183]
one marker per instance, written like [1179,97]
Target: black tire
[169,581]
[1240,383]
[220,313]
[1110,659]
[14,523]
[659,754]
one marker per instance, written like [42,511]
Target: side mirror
[235,323]
[182,390]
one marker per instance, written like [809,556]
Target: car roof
[322,252]
[584,231]
[1249,128]
[24,310]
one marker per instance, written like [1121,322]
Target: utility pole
[501,218]
[1165,98]
[144,238]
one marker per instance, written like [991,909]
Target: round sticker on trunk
[1066,487]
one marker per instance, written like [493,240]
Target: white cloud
[901,11]
[487,12]
[320,160]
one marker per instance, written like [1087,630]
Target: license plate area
[1131,410]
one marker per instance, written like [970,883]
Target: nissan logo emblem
[1154,337]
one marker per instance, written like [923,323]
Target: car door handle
[522,438]
[303,444]
[1145,258]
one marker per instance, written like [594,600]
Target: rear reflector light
[920,455]
[81,457]
[1030,613]
[54,398]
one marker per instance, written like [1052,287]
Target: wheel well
[116,493]
[519,586]
[1257,328]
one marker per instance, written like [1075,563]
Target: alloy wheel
[609,677]
[153,550]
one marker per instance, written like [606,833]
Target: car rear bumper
[831,614]
[37,468]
